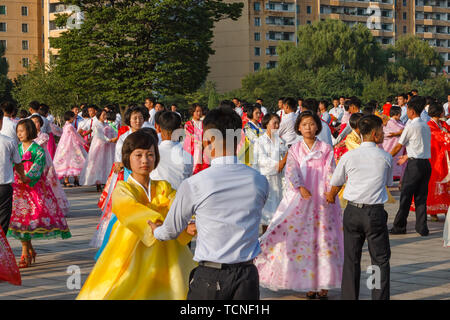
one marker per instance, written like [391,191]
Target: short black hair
[138,140]
[310,105]
[7,107]
[41,122]
[111,115]
[99,113]
[251,108]
[369,108]
[23,114]
[226,104]
[404,95]
[260,99]
[368,123]
[325,103]
[346,105]
[281,98]
[151,132]
[417,103]
[356,102]
[395,111]
[169,121]
[85,113]
[429,100]
[150,99]
[335,98]
[354,119]
[341,97]
[435,110]
[194,106]
[30,128]
[44,109]
[291,103]
[68,115]
[308,114]
[34,105]
[158,116]
[415,90]
[390,99]
[266,119]
[223,119]
[135,109]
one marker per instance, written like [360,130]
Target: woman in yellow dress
[134,265]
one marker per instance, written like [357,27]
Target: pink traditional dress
[50,177]
[8,268]
[193,144]
[36,213]
[101,155]
[303,249]
[394,126]
[70,154]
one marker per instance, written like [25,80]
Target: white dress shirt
[404,116]
[227,199]
[9,155]
[416,137]
[50,118]
[175,164]
[287,129]
[119,145]
[151,120]
[9,129]
[367,171]
[77,121]
[337,112]
[263,110]
[446,109]
[239,111]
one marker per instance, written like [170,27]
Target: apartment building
[21,25]
[249,44]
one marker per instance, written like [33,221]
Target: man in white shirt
[287,126]
[150,105]
[401,102]
[263,109]
[238,108]
[416,137]
[78,118]
[9,157]
[280,111]
[34,110]
[9,126]
[446,111]
[174,108]
[336,111]
[227,199]
[176,165]
[366,171]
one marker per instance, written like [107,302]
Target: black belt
[361,206]
[223,265]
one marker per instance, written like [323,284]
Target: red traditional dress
[340,149]
[8,268]
[193,144]
[438,200]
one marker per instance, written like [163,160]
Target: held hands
[402,160]
[154,225]
[330,197]
[25,179]
[305,193]
[191,229]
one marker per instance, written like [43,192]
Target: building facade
[249,44]
[21,33]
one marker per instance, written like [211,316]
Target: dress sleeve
[36,170]
[293,173]
[99,132]
[42,139]
[266,164]
[352,142]
[133,214]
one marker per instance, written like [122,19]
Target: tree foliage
[5,84]
[126,50]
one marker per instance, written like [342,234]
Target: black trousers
[234,283]
[6,196]
[359,224]
[414,183]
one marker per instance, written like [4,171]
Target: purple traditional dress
[389,143]
[302,249]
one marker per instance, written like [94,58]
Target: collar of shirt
[368,144]
[168,143]
[289,115]
[415,120]
[224,160]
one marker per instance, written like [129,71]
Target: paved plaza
[420,266]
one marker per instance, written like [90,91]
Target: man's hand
[305,193]
[402,160]
[331,198]
[154,225]
[191,229]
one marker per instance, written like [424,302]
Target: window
[24,11]
[404,15]
[256,66]
[2,26]
[257,22]
[2,9]
[24,27]
[257,36]
[3,43]
[271,64]
[257,6]
[308,22]
[308,9]
[25,62]
[257,51]
[404,3]
[24,44]
[404,29]
[271,51]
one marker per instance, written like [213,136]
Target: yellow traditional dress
[135,265]
[352,142]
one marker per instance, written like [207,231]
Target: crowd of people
[281,198]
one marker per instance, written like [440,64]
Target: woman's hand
[305,193]
[282,163]
[191,229]
[117,167]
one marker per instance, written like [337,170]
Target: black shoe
[424,234]
[394,231]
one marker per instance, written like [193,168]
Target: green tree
[5,83]
[126,50]
[43,84]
